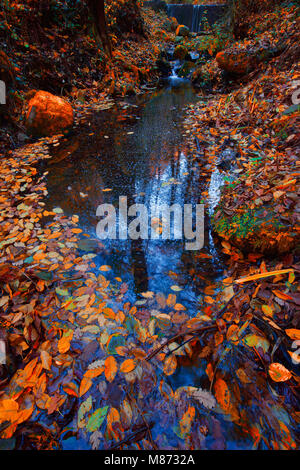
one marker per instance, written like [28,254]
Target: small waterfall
[192,15]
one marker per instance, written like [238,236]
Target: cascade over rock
[193,16]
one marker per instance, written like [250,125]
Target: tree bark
[97,11]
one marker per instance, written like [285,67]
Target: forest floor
[52,301]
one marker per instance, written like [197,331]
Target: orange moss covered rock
[48,114]
[238,62]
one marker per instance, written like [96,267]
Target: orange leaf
[222,394]
[282,295]
[261,276]
[170,365]
[8,410]
[85,385]
[111,368]
[293,333]
[92,373]
[63,344]
[128,365]
[278,372]
[187,420]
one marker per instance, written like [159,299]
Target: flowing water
[138,149]
[194,16]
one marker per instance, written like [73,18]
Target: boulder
[180,52]
[182,31]
[236,62]
[206,75]
[48,114]
[243,60]
[178,40]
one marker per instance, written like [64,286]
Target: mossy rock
[180,52]
[178,39]
[182,30]
[258,230]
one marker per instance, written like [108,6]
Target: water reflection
[134,150]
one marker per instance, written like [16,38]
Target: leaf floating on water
[97,418]
[254,277]
[176,288]
[58,210]
[170,365]
[105,268]
[148,295]
[223,394]
[187,420]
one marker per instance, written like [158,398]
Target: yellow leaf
[267,310]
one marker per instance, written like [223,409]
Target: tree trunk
[97,10]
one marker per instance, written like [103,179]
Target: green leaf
[83,409]
[62,292]
[97,419]
[58,210]
[255,341]
[114,342]
[46,276]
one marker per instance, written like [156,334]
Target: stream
[137,149]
